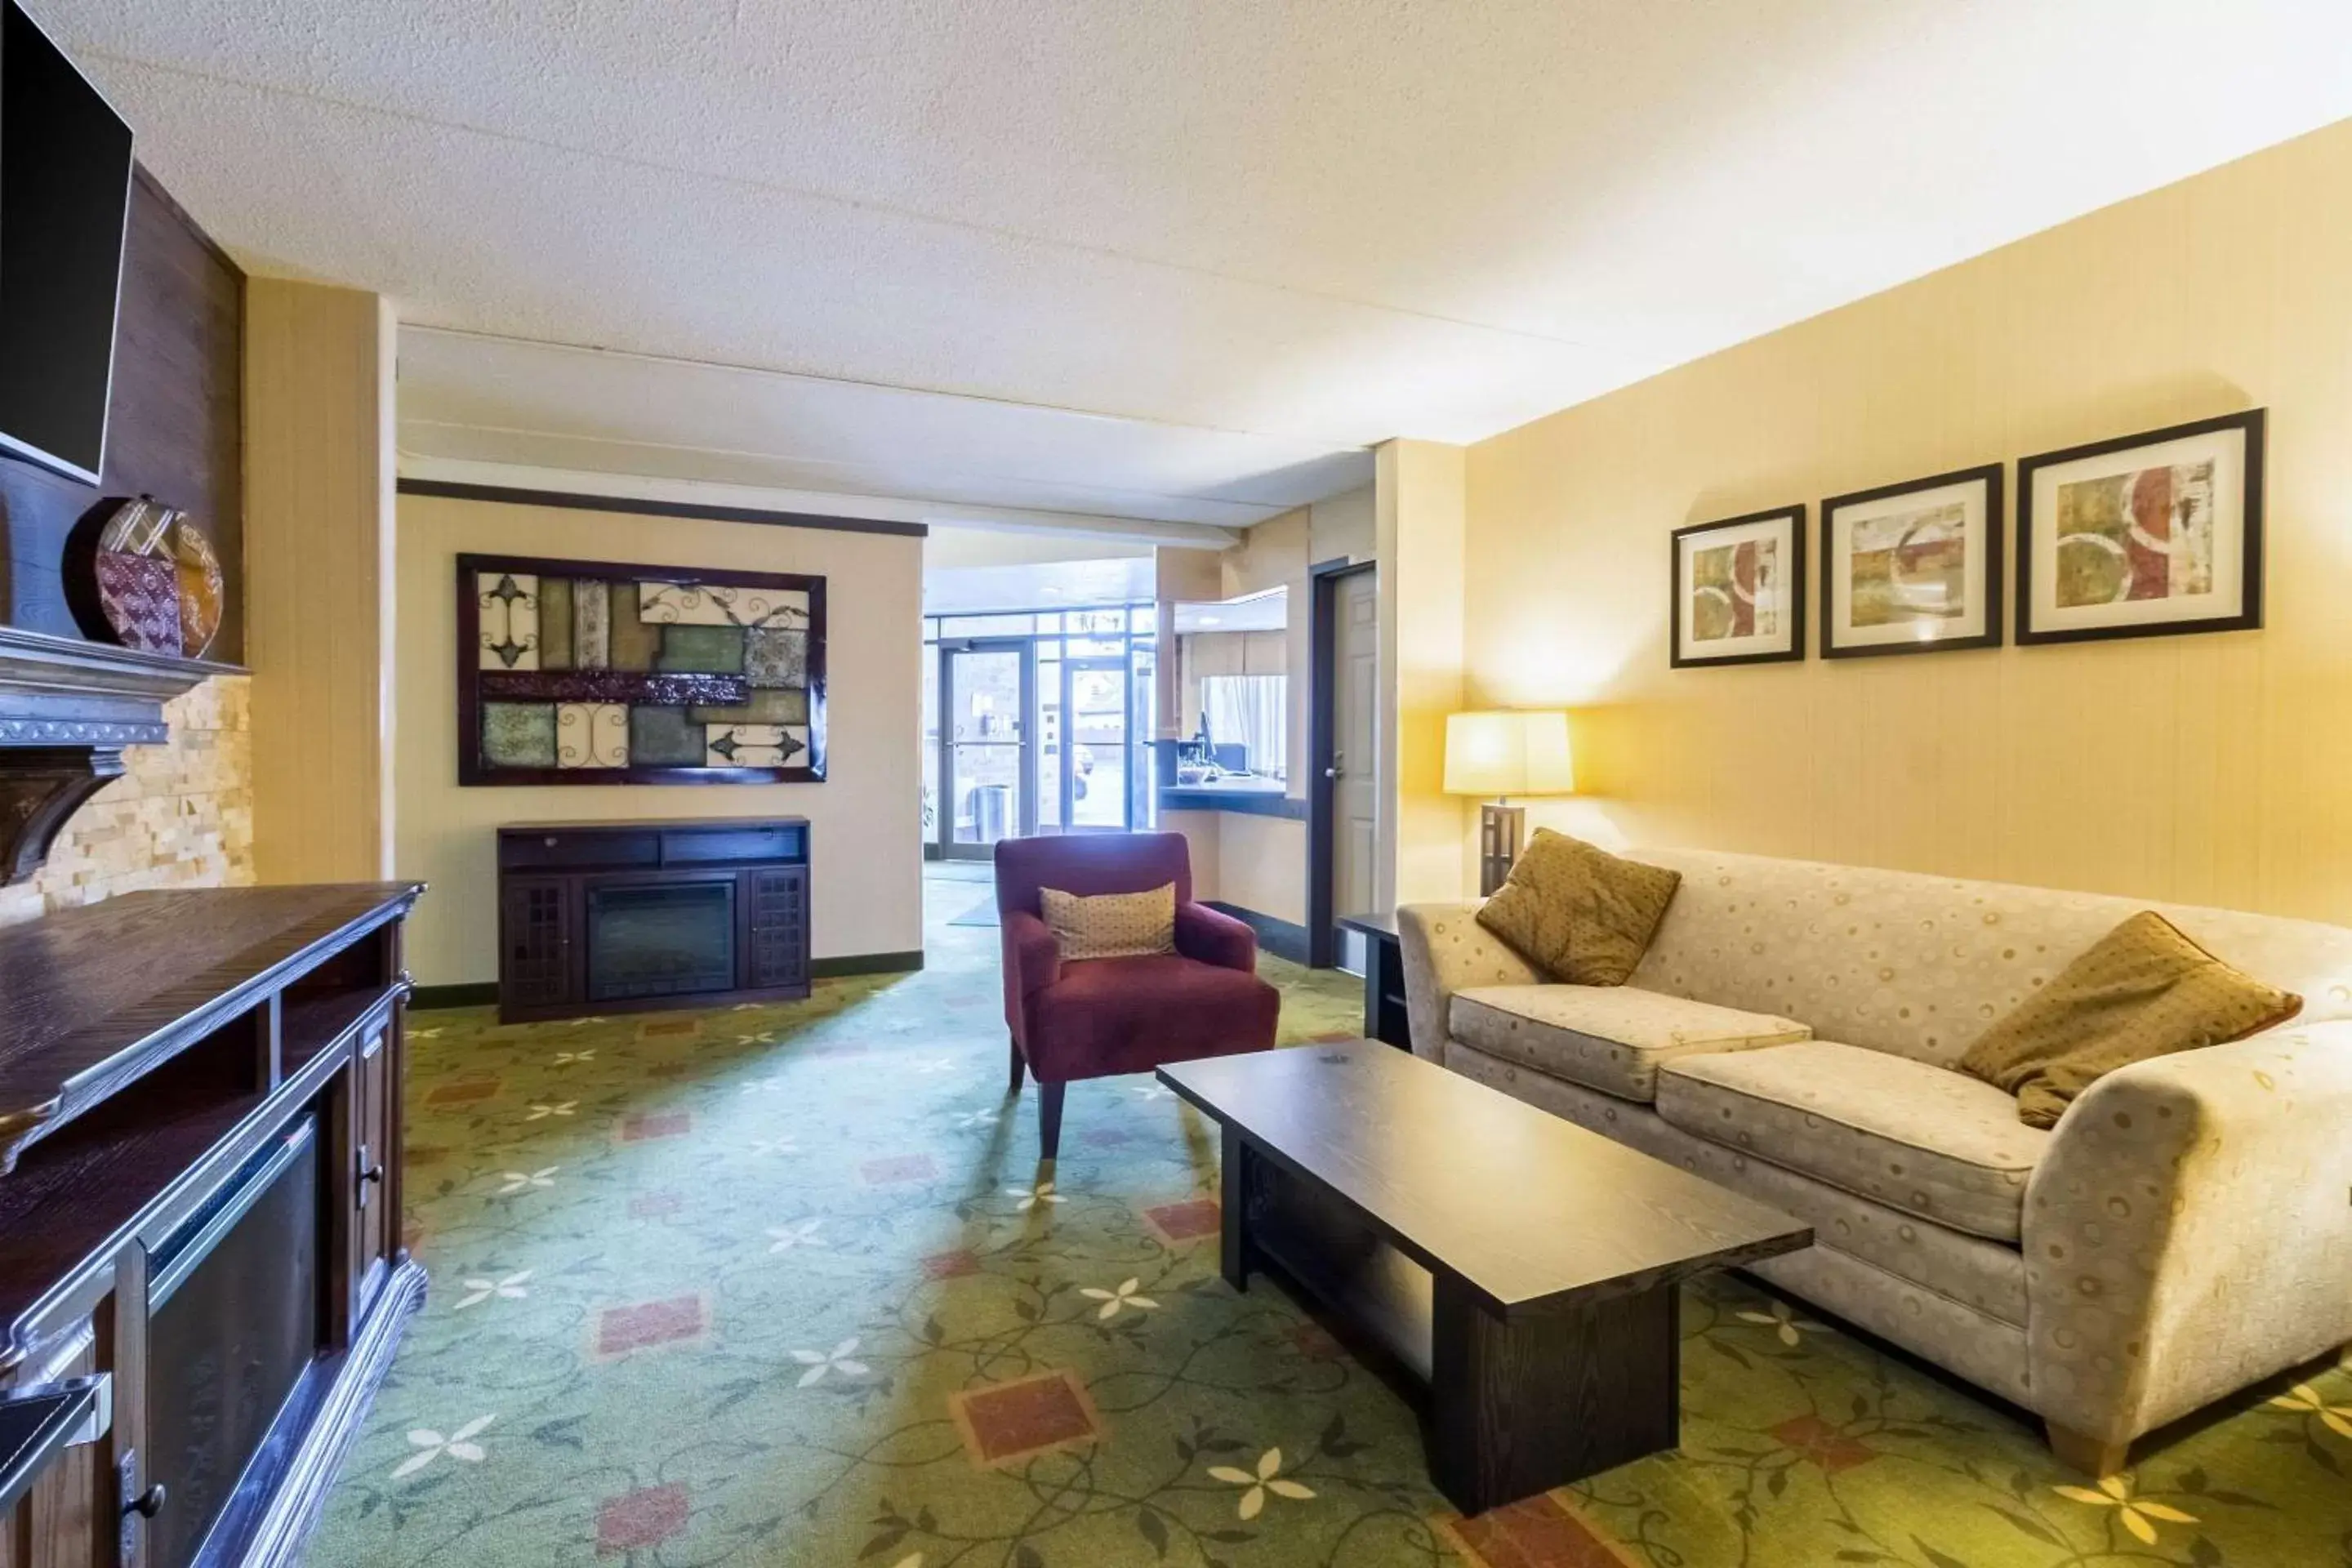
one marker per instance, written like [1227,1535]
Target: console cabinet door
[777,952]
[375,1222]
[535,942]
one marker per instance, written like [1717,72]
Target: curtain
[1252,710]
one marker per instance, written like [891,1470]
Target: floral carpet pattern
[786,1285]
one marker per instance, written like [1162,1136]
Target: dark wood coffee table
[1523,1270]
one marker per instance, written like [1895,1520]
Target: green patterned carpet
[780,1286]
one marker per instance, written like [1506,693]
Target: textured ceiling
[1323,222]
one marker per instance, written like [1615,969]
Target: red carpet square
[620,1329]
[1539,1532]
[646,1126]
[1822,1443]
[1186,1221]
[1012,1421]
[464,1093]
[898,1168]
[953,1265]
[669,1029]
[1104,1137]
[642,1518]
[654,1206]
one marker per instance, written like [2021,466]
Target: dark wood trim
[474,994]
[1322,728]
[641,506]
[1994,577]
[1800,589]
[302,1487]
[473,771]
[1284,939]
[848,964]
[2252,425]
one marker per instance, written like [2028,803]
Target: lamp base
[1499,831]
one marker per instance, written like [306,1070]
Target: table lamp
[1504,753]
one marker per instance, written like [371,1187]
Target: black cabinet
[616,917]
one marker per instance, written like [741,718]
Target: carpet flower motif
[560,1108]
[518,1181]
[1125,1296]
[820,1362]
[2135,1511]
[2337,1418]
[1790,1328]
[802,1233]
[1043,1193]
[431,1445]
[510,1288]
[1267,1478]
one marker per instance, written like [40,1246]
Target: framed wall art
[1914,567]
[2144,535]
[1739,590]
[580,672]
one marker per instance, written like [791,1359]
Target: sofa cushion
[1609,1038]
[1923,1139]
[1581,915]
[2143,990]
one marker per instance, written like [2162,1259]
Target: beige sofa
[2184,1231]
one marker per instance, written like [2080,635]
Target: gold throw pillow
[1579,914]
[2142,990]
[1111,925]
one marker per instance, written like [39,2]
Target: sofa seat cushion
[1920,1139]
[1609,1038]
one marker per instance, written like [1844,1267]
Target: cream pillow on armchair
[1111,925]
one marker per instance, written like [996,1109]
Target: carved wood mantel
[68,708]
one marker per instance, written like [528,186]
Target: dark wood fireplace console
[623,917]
[201,1271]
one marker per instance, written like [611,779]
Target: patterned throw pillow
[1111,925]
[1581,915]
[2142,990]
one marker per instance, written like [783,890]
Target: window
[1252,712]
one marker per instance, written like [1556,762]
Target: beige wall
[2212,768]
[1420,519]
[864,818]
[317,542]
[1255,863]
[180,817]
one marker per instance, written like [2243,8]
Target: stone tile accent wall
[182,816]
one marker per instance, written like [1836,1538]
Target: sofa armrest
[1212,937]
[1033,959]
[2186,1231]
[1447,949]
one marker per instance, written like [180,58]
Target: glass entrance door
[1094,756]
[985,761]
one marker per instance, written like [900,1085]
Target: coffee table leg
[1237,1257]
[1522,1404]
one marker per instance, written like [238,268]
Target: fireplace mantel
[68,708]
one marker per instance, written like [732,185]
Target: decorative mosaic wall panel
[590,672]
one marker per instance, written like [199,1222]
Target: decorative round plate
[158,582]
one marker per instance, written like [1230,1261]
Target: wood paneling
[174,430]
[2213,769]
[319,464]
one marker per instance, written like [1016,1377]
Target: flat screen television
[65,197]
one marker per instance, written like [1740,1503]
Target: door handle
[1330,773]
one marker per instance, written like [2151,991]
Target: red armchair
[1098,1016]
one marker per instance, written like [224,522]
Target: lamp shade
[1509,752]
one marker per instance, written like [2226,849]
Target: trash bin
[990,803]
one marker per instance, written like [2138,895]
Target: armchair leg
[1016,1065]
[1049,1119]
[2093,1457]
[2344,1356]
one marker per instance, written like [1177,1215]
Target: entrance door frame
[1069,758]
[944,843]
[1322,725]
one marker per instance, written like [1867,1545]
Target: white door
[1355,707]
